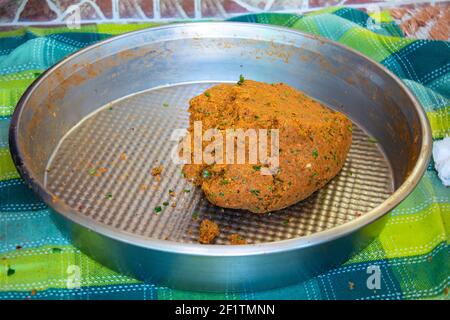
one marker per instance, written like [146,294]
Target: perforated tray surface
[131,136]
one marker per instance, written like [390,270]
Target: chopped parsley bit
[165,203]
[315,154]
[108,196]
[286,222]
[165,104]
[314,174]
[92,171]
[224,182]
[207,94]
[56,250]
[351,285]
[256,117]
[255,192]
[221,194]
[195,215]
[350,128]
[372,140]
[350,173]
[206,174]
[257,168]
[187,190]
[10,271]
[158,209]
[241,80]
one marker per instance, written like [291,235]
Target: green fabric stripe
[324,11]
[376,46]
[106,28]
[12,87]
[439,121]
[7,168]
[50,265]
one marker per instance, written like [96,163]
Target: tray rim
[223,250]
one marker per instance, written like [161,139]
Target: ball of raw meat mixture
[313,144]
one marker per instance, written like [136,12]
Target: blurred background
[420,19]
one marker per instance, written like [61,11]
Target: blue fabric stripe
[119,292]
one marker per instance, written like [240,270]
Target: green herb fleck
[350,128]
[158,209]
[10,271]
[56,250]
[206,174]
[165,203]
[315,154]
[224,182]
[92,171]
[165,104]
[221,194]
[195,215]
[108,196]
[207,94]
[255,192]
[372,140]
[257,168]
[241,80]
[187,190]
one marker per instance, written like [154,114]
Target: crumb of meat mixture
[156,171]
[237,239]
[209,230]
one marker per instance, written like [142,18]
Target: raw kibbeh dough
[313,144]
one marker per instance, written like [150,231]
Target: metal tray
[116,104]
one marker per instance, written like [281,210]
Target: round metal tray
[116,104]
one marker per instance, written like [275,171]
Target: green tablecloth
[412,251]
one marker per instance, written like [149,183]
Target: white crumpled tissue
[441,156]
